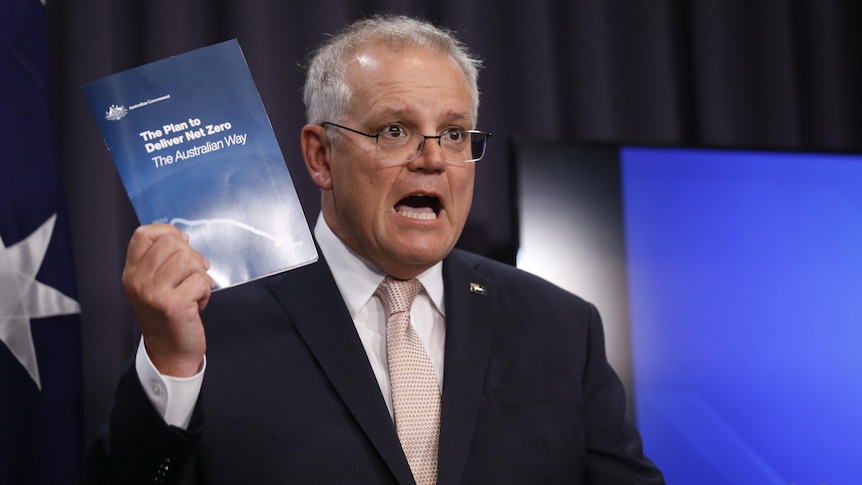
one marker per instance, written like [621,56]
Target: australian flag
[40,335]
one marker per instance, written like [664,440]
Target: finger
[211,283]
[197,287]
[164,257]
[145,236]
[182,263]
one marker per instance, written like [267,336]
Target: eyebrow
[401,114]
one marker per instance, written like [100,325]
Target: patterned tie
[415,393]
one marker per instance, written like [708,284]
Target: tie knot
[397,295]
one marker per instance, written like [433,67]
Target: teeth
[425,216]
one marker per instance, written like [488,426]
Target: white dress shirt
[357,280]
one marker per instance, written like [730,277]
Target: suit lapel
[321,318]
[470,302]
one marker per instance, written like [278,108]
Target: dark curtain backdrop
[747,73]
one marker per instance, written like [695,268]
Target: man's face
[405,217]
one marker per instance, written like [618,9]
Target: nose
[431,155]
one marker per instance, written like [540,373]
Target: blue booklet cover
[194,147]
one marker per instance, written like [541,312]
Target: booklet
[194,147]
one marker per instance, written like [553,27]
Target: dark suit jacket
[289,395]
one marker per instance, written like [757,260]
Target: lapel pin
[478,289]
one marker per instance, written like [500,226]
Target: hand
[167,285]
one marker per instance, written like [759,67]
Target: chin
[421,248]
[413,250]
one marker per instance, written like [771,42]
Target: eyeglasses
[396,144]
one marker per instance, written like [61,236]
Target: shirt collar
[357,279]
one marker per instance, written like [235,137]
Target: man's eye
[393,131]
[453,135]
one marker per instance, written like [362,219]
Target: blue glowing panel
[745,286]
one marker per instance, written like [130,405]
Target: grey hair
[326,93]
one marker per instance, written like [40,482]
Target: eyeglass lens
[468,149]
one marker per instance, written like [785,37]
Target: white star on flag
[23,298]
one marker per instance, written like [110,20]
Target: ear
[315,151]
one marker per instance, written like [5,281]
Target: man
[509,381]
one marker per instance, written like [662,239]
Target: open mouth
[419,206]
